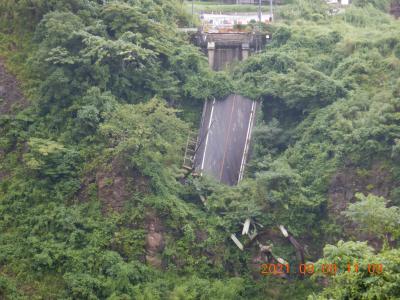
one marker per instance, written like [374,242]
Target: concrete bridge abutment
[225,48]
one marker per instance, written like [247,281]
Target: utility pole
[271,10]
[192,11]
[258,47]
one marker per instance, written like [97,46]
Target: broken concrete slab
[284,231]
[237,242]
[246,227]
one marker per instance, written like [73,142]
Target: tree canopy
[94,203]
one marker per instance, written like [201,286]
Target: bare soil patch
[11,97]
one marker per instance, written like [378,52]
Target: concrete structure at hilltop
[223,48]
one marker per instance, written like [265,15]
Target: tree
[359,273]
[149,138]
[372,216]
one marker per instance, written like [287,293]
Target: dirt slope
[11,97]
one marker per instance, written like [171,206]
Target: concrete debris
[281,261]
[236,241]
[299,248]
[265,251]
[284,231]
[246,227]
[252,233]
[260,225]
[203,199]
[265,248]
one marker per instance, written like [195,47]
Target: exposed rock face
[116,184]
[11,97]
[112,190]
[201,236]
[395,8]
[346,183]
[154,240]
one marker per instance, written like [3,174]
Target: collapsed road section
[224,138]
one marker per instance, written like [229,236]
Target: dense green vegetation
[113,91]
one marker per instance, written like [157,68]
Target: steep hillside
[93,200]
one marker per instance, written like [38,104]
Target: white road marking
[199,138]
[227,137]
[208,133]
[247,144]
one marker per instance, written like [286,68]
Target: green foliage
[344,253]
[201,289]
[295,84]
[8,289]
[54,164]
[14,12]
[303,9]
[267,138]
[372,215]
[382,4]
[89,61]
[363,284]
[147,137]
[110,85]
[328,92]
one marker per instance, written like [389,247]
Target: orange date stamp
[310,269]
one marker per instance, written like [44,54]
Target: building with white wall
[342,2]
[230,20]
